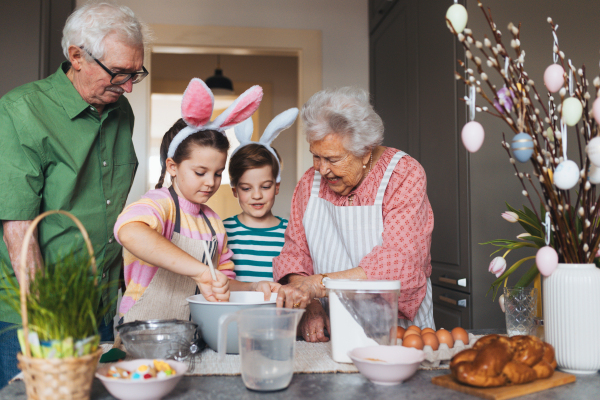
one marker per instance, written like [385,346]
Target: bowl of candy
[142,379]
[162,339]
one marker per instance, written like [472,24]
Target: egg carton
[441,357]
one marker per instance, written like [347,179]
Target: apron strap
[386,177]
[212,231]
[316,186]
[177,214]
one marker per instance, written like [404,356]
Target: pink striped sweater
[157,209]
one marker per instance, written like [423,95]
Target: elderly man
[66,144]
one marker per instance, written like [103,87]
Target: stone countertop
[331,387]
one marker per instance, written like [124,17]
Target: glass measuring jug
[267,338]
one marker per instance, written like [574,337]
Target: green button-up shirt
[57,152]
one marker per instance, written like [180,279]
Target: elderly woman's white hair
[347,112]
[90,24]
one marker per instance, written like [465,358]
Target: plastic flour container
[362,313]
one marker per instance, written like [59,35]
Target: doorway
[303,46]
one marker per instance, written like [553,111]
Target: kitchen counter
[332,387]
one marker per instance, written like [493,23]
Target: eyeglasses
[121,78]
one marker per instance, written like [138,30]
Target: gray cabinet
[30,34]
[412,60]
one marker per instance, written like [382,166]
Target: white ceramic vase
[571,299]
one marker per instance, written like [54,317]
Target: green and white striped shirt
[254,248]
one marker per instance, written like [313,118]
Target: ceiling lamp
[219,84]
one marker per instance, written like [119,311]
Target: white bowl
[387,365]
[148,389]
[206,315]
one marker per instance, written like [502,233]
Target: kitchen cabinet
[413,57]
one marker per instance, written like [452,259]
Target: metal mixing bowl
[160,339]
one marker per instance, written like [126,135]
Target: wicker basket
[55,379]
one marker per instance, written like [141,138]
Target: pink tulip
[510,216]
[497,266]
[598,253]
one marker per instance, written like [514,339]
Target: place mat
[309,358]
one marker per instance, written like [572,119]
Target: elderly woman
[361,212]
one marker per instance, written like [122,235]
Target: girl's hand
[300,292]
[313,323]
[266,287]
[213,290]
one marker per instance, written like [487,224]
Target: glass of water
[520,304]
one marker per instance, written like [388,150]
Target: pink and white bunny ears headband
[197,107]
[243,133]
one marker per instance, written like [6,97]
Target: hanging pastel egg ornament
[596,110]
[571,111]
[522,147]
[457,15]
[554,78]
[594,174]
[593,151]
[472,136]
[566,175]
[546,260]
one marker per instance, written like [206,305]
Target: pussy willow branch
[547,148]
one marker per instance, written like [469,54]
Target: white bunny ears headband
[243,133]
[197,107]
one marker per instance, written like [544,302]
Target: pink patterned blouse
[407,227]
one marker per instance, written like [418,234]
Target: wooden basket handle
[25,246]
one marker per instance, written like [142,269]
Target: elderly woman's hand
[313,323]
[300,291]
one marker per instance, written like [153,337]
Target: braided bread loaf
[496,360]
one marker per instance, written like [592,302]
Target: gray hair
[347,112]
[90,24]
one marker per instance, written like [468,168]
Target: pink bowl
[397,363]
[150,389]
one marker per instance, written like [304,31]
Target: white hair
[347,112]
[90,24]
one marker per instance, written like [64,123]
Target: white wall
[344,25]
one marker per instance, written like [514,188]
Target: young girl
[167,234]
[256,236]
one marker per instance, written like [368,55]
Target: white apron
[340,237]
[165,296]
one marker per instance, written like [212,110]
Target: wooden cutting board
[505,392]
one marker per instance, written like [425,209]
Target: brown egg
[459,333]
[400,332]
[410,332]
[413,341]
[430,339]
[414,328]
[425,330]
[445,337]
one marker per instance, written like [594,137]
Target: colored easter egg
[546,260]
[472,136]
[554,77]
[457,15]
[571,111]
[596,110]
[593,151]
[594,174]
[566,175]
[522,147]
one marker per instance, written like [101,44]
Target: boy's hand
[214,290]
[266,287]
